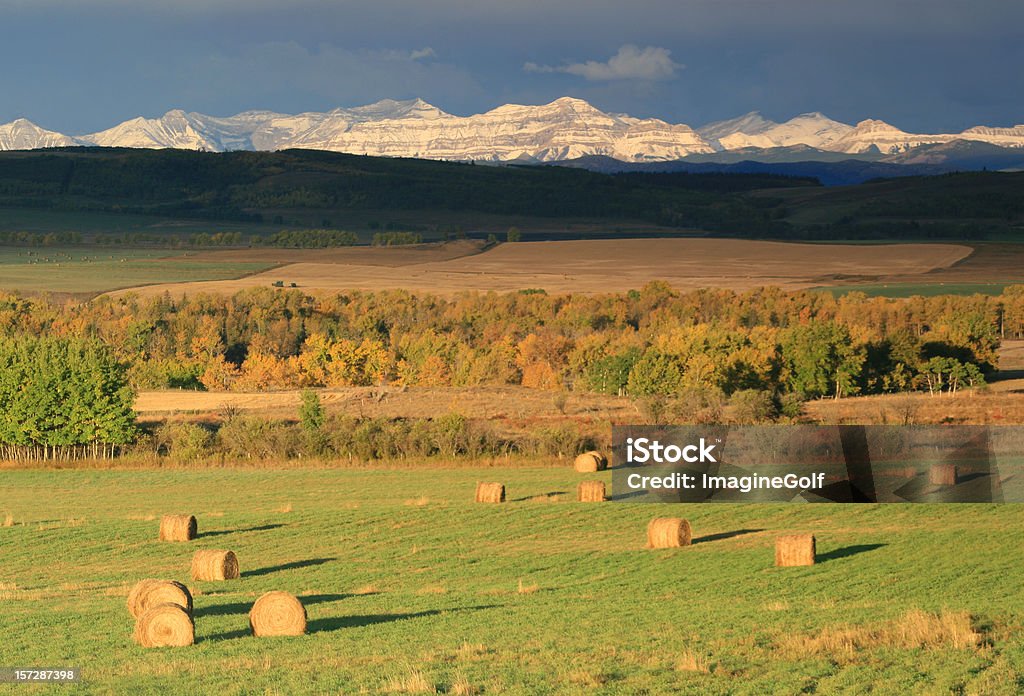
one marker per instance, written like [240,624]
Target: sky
[927,66]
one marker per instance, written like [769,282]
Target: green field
[91,270]
[410,587]
[90,222]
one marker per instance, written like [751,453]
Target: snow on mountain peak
[391,108]
[812,116]
[753,130]
[22,134]
[871,134]
[752,123]
[572,101]
[872,125]
[565,128]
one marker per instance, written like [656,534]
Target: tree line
[648,342]
[69,395]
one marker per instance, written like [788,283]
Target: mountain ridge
[565,129]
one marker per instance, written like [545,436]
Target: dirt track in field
[590,266]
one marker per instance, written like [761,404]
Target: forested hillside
[303,188]
[257,186]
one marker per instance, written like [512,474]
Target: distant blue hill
[830,168]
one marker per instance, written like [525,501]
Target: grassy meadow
[90,270]
[412,588]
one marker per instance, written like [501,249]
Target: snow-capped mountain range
[567,128]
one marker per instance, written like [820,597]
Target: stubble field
[592,266]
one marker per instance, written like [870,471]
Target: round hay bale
[133,595]
[178,528]
[151,592]
[943,475]
[589,462]
[795,550]
[277,614]
[668,532]
[165,625]
[214,565]
[490,493]
[591,492]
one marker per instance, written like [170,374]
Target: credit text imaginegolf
[744,484]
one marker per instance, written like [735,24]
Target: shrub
[450,434]
[753,406]
[396,238]
[791,405]
[654,408]
[559,441]
[698,405]
[258,438]
[183,441]
[312,239]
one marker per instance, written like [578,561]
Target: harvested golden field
[1011,356]
[489,403]
[589,266]
[1000,404]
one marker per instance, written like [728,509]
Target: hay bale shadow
[723,535]
[340,622]
[223,609]
[538,495]
[624,496]
[847,551]
[337,623]
[228,635]
[240,530]
[308,563]
[244,607]
[324,598]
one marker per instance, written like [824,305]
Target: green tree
[311,411]
[655,373]
[63,397]
[610,374]
[822,360]
[949,374]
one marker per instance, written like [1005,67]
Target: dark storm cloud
[939,65]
